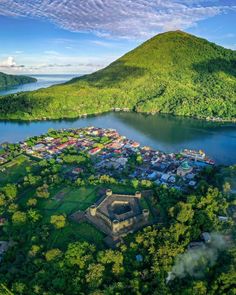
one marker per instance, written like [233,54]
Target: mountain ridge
[173,72]
[7,80]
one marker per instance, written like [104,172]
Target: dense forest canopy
[41,263]
[173,72]
[7,81]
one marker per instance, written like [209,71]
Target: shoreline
[120,110]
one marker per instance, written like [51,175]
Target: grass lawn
[24,196]
[120,189]
[76,232]
[68,200]
[67,208]
[84,196]
[15,169]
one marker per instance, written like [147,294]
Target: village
[119,157]
[92,161]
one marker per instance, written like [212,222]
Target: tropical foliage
[173,73]
[51,254]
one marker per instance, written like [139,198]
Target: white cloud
[57,63]
[103,44]
[122,18]
[9,62]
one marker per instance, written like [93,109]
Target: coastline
[115,110]
[34,80]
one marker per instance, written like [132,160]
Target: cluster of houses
[111,154]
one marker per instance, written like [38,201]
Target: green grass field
[68,200]
[120,189]
[25,195]
[14,170]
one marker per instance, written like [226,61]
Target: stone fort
[117,215]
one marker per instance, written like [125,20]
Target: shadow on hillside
[216,65]
[116,73]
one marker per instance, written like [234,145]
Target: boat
[197,155]
[210,161]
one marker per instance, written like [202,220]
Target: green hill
[173,72]
[7,81]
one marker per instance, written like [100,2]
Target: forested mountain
[7,81]
[173,72]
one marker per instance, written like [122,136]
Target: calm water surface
[167,133]
[43,81]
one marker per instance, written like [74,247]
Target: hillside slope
[7,81]
[173,72]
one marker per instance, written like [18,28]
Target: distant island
[174,72]
[7,81]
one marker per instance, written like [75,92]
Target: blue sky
[81,36]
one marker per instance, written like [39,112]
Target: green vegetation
[65,199]
[76,232]
[228,178]
[53,250]
[173,73]
[14,169]
[7,81]
[61,256]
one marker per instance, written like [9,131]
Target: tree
[74,159]
[107,179]
[42,191]
[19,218]
[115,258]
[34,250]
[19,288]
[80,182]
[58,221]
[139,159]
[52,254]
[199,288]
[2,200]
[80,254]
[146,183]
[10,191]
[32,202]
[95,275]
[31,179]
[226,187]
[13,208]
[33,215]
[183,212]
[135,183]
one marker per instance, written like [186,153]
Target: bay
[163,132]
[43,81]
